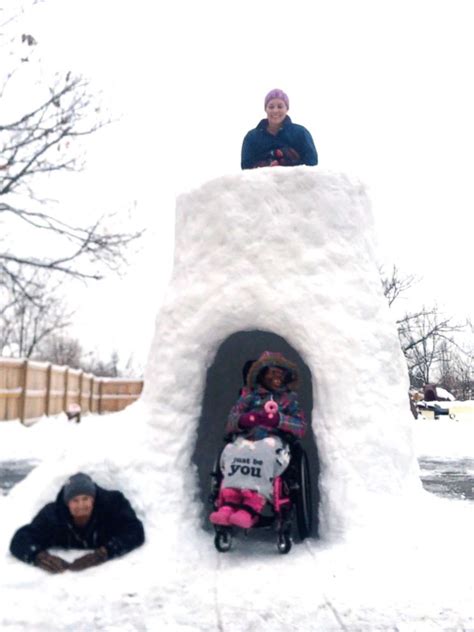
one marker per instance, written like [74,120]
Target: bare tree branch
[426,337]
[33,313]
[42,140]
[394,285]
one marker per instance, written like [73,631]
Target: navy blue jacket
[259,145]
[113,525]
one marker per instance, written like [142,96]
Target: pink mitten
[249,420]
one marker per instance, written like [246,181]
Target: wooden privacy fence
[31,389]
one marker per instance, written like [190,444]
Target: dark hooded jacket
[259,146]
[113,525]
[254,397]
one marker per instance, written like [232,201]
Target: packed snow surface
[415,576]
[291,252]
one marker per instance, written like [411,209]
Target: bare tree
[32,313]
[446,371]
[42,138]
[100,368]
[59,348]
[464,368]
[16,48]
[38,143]
[426,336]
[456,372]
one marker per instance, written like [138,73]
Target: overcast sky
[383,86]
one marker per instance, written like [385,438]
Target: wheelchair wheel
[284,543]
[223,540]
[303,500]
[216,480]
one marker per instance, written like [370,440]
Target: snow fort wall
[288,251]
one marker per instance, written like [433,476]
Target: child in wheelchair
[266,409]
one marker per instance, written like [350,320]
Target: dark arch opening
[223,383]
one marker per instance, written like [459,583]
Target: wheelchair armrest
[230,436]
[289,438]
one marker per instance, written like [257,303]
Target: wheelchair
[291,505]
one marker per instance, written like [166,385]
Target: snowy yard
[391,556]
[416,575]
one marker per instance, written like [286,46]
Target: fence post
[101,387]
[23,384]
[91,394]
[81,380]
[66,387]
[49,370]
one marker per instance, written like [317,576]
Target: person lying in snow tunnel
[83,516]
[277,141]
[267,407]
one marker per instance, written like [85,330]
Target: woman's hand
[287,157]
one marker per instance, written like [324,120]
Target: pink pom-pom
[271,407]
[252,417]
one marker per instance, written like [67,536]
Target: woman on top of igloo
[277,141]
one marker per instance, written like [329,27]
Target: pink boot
[246,519]
[223,514]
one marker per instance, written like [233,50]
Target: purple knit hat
[277,94]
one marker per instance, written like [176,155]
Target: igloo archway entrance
[223,382]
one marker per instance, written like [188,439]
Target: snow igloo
[285,260]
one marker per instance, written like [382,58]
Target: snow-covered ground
[444,437]
[299,262]
[416,575]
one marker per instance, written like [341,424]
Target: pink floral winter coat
[291,416]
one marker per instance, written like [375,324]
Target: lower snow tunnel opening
[223,383]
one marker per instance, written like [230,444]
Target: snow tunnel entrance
[223,384]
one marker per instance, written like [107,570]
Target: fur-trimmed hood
[273,359]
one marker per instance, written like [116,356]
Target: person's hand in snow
[51,563]
[90,559]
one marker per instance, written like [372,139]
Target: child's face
[273,378]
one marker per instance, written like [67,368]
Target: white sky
[383,86]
